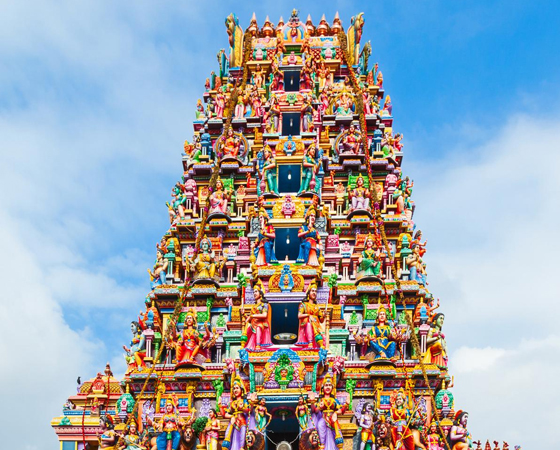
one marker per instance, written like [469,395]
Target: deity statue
[262,416]
[369,260]
[306,75]
[433,438]
[310,168]
[416,266]
[149,318]
[344,105]
[326,411]
[264,245]
[159,273]
[310,241]
[257,327]
[237,411]
[402,194]
[307,112]
[132,439]
[458,437]
[219,104]
[239,111]
[436,347]
[277,76]
[324,75]
[418,242]
[200,113]
[360,195]
[366,422]
[272,116]
[400,416]
[311,317]
[168,426]
[302,414]
[219,199]
[387,107]
[231,144]
[382,337]
[137,352]
[212,431]
[288,206]
[268,174]
[259,77]
[352,141]
[205,264]
[189,341]
[108,438]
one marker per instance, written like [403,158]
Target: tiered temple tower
[288,303]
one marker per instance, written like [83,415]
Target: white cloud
[489,213]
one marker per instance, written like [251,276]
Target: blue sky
[97,97]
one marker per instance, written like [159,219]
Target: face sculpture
[382,316]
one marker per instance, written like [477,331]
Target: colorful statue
[149,318]
[311,318]
[352,141]
[257,328]
[416,266]
[324,75]
[344,105]
[400,415]
[302,414]
[310,167]
[360,195]
[258,77]
[159,274]
[205,265]
[418,242]
[235,34]
[370,261]
[212,431]
[262,416]
[237,412]
[326,412]
[436,347]
[434,439]
[264,245]
[306,75]
[168,426]
[268,174]
[231,144]
[200,113]
[366,423]
[272,116]
[277,77]
[458,437]
[132,439]
[307,112]
[137,352]
[219,199]
[219,104]
[310,246]
[108,438]
[382,337]
[189,341]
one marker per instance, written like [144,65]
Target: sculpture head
[312,151]
[135,327]
[212,414]
[238,388]
[352,128]
[205,245]
[311,294]
[400,398]
[381,316]
[461,418]
[369,242]
[438,320]
[262,402]
[311,216]
[169,407]
[328,385]
[301,400]
[219,184]
[190,318]
[360,181]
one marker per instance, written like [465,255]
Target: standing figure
[436,351]
[326,412]
[108,438]
[262,416]
[257,328]
[416,266]
[268,172]
[219,199]
[168,426]
[307,112]
[264,245]
[258,77]
[272,116]
[366,422]
[352,141]
[220,104]
[311,317]
[458,437]
[212,431]
[418,242]
[132,440]
[382,337]
[310,167]
[369,260]
[302,414]
[277,76]
[306,76]
[159,274]
[237,411]
[433,439]
[205,264]
[400,416]
[324,75]
[187,345]
[200,114]
[137,352]
[360,195]
[310,241]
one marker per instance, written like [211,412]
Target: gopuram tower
[288,306]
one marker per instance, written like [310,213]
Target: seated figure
[360,195]
[256,334]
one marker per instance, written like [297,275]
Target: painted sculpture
[268,172]
[310,167]
[136,353]
[382,337]
[219,199]
[310,246]
[311,318]
[264,245]
[257,328]
[370,261]
[205,264]
[360,195]
[436,352]
[237,412]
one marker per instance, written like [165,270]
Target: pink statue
[351,142]
[257,331]
[231,144]
[219,199]
[288,207]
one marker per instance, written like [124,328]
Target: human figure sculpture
[200,113]
[132,440]
[205,265]
[400,416]
[237,411]
[219,199]
[344,105]
[416,266]
[168,426]
[257,327]
[272,116]
[306,75]
[310,167]
[149,318]
[136,353]
[264,245]
[262,416]
[418,242]
[366,423]
[434,439]
[310,241]
[302,414]
[382,337]
[311,317]
[212,431]
[458,437]
[324,74]
[326,411]
[258,77]
[436,347]
[108,438]
[158,275]
[369,260]
[219,104]
[288,207]
[231,144]
[360,195]
[307,112]
[189,341]
[277,83]
[268,173]
[352,140]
